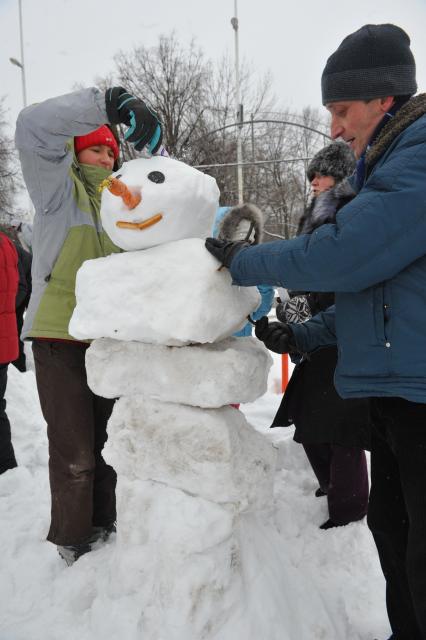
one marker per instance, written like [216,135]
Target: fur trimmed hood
[243,218]
[409,113]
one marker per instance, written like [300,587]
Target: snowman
[190,468]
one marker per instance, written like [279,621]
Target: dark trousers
[82,484]
[342,474]
[7,454]
[397,510]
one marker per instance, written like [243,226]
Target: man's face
[356,120]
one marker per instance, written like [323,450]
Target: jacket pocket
[379,314]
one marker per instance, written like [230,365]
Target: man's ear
[387,103]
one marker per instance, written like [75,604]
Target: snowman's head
[176,201]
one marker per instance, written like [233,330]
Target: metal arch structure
[263,121]
[251,122]
[250,163]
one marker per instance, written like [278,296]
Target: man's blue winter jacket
[374,258]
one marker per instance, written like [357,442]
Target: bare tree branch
[9,182]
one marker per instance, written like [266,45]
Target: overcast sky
[73,41]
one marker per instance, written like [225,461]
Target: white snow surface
[299,583]
[210,376]
[186,198]
[174,294]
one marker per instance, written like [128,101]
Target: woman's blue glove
[144,126]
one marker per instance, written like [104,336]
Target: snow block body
[209,453]
[190,468]
[119,297]
[187,555]
[232,371]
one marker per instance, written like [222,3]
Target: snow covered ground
[329,582]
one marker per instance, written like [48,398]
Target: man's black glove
[276,336]
[144,125]
[223,250]
[280,311]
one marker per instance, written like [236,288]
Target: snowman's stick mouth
[149,222]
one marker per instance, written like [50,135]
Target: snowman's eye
[156,176]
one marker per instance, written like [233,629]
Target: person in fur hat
[333,431]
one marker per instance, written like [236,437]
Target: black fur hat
[336,160]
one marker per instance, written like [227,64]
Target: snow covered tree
[172,80]
[192,95]
[195,100]
[284,188]
[8,170]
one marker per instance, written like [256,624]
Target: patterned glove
[295,310]
[144,125]
[276,336]
[223,250]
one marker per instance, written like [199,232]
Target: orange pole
[284,372]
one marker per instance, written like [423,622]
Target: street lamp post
[239,106]
[21,63]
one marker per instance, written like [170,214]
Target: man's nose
[336,129]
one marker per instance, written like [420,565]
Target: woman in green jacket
[66,149]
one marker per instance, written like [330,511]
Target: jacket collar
[403,118]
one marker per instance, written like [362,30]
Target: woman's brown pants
[82,484]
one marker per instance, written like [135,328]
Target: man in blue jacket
[374,258]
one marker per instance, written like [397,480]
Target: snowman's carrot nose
[118,188]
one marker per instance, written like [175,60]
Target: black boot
[329,524]
[319,493]
[72,552]
[104,532]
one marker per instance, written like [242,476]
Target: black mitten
[223,250]
[276,336]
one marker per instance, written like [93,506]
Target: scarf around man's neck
[361,165]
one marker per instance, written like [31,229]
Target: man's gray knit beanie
[374,62]
[336,160]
